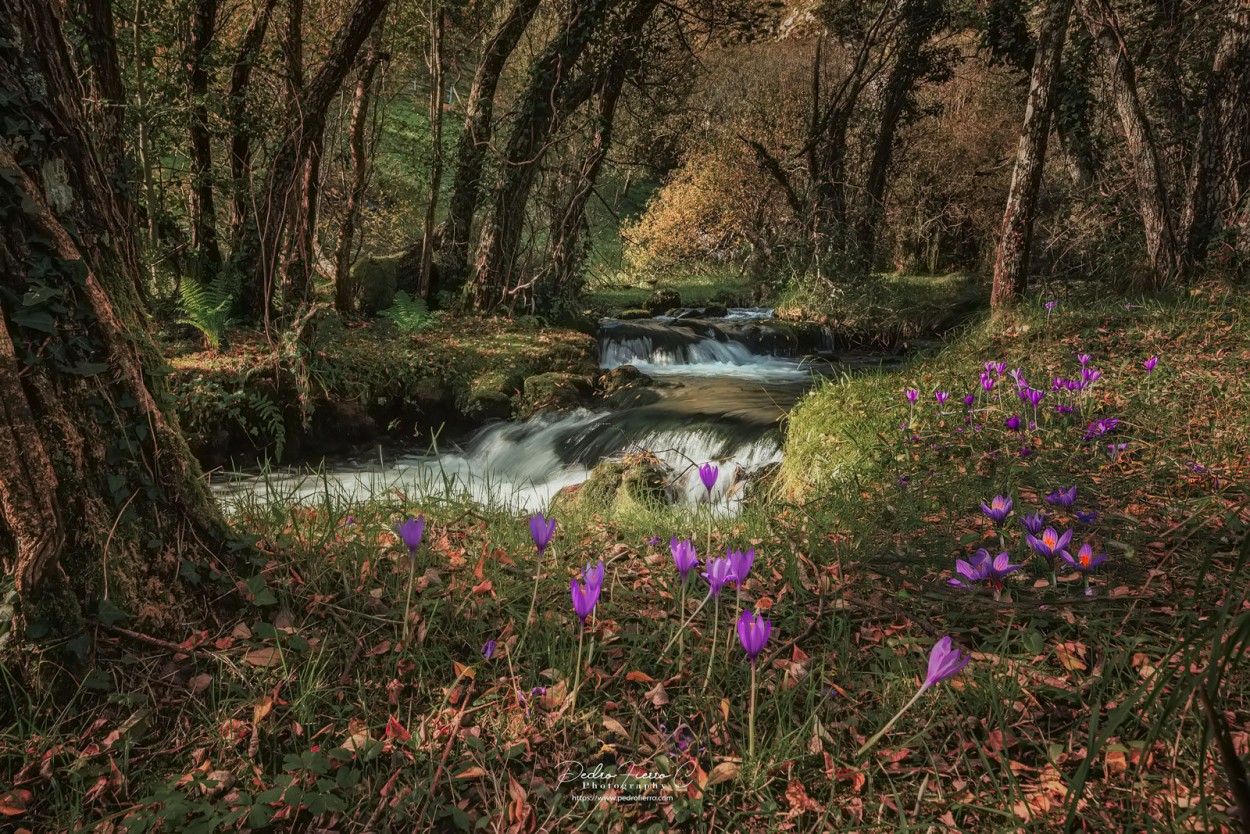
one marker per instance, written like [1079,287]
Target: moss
[555,391]
[617,486]
[377,276]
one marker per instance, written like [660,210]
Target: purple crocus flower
[987,381]
[1013,422]
[1085,560]
[708,474]
[684,556]
[593,573]
[542,529]
[970,399]
[1150,363]
[1050,305]
[753,632]
[996,368]
[912,395]
[719,571]
[941,396]
[1050,544]
[1032,395]
[970,573]
[1114,449]
[740,563]
[1060,408]
[411,531]
[488,650]
[1062,497]
[1100,427]
[1087,518]
[585,596]
[998,508]
[1034,523]
[945,661]
[1084,359]
[1090,375]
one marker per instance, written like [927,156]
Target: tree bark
[287,202]
[475,140]
[1162,247]
[345,288]
[203,210]
[1219,176]
[1011,263]
[501,231]
[97,487]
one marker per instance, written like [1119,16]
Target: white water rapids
[719,399]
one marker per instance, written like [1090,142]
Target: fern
[411,315]
[206,307]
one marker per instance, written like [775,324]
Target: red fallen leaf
[639,677]
[13,803]
[396,731]
[471,773]
[485,587]
[380,648]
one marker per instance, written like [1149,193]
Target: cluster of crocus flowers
[984,568]
[1062,497]
[945,661]
[1049,545]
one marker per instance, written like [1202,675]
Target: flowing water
[719,389]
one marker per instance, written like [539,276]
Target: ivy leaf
[109,614]
[40,320]
[89,368]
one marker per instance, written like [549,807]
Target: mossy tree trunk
[99,496]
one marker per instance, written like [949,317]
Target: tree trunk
[345,288]
[436,136]
[475,140]
[922,19]
[1011,264]
[203,211]
[1162,248]
[567,250]
[97,487]
[241,131]
[501,231]
[1220,171]
[287,201]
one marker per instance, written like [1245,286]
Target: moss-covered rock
[555,391]
[627,315]
[637,480]
[378,278]
[662,301]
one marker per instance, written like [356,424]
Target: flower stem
[711,655]
[412,569]
[751,718]
[577,672]
[693,614]
[870,742]
[681,640]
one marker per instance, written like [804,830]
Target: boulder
[662,300]
[636,480]
[377,276]
[554,391]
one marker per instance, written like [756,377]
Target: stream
[716,390]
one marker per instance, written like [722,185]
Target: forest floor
[355,688]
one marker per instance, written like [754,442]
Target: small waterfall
[723,385]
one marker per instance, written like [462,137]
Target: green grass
[1074,711]
[697,287]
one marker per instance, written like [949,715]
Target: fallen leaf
[723,772]
[262,657]
[471,773]
[13,803]
[639,677]
[614,726]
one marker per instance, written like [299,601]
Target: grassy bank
[351,384]
[309,704]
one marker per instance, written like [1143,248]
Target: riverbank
[310,703]
[358,384]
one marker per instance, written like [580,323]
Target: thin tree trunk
[203,211]
[344,287]
[1011,264]
[436,137]
[284,200]
[1162,248]
[241,131]
[501,231]
[151,199]
[475,140]
[1221,162]
[922,19]
[97,487]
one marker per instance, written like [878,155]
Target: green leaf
[109,614]
[39,320]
